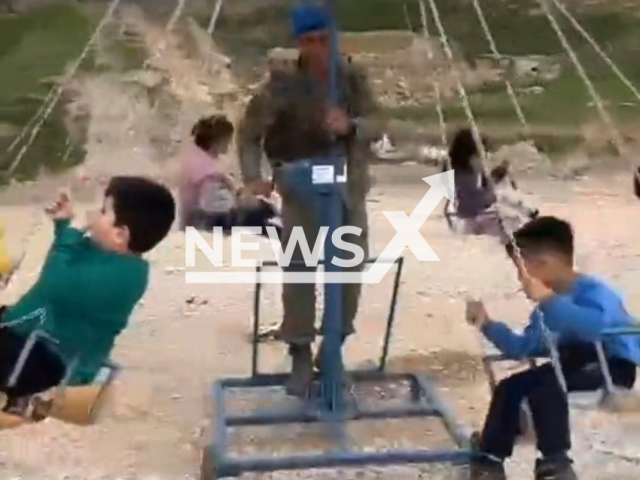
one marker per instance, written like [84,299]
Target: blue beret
[308,17]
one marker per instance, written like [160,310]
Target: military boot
[555,469]
[317,362]
[301,371]
[487,470]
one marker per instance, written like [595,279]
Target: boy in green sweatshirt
[90,282]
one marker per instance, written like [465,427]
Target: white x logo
[408,228]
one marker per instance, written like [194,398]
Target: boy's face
[545,267]
[104,231]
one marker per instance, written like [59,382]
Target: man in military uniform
[290,119]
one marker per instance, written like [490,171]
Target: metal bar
[334,459]
[604,368]
[256,323]
[460,433]
[278,379]
[391,317]
[22,358]
[614,332]
[490,359]
[274,263]
[220,433]
[284,417]
[487,365]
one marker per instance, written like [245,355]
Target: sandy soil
[183,337]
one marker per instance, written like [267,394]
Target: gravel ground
[185,336]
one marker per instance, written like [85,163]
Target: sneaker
[301,377]
[555,469]
[487,470]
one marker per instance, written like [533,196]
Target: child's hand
[62,208]
[476,313]
[260,187]
[533,288]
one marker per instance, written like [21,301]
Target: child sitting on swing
[209,197]
[88,286]
[478,202]
[474,195]
[576,308]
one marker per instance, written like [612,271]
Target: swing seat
[618,401]
[77,405]
[80,406]
[610,398]
[458,225]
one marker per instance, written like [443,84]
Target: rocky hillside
[182,74]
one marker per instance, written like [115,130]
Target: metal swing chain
[435,84]
[483,154]
[616,137]
[494,50]
[56,92]
[438,97]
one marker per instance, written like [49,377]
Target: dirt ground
[183,337]
[175,346]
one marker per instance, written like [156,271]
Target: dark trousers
[257,216]
[42,370]
[547,401]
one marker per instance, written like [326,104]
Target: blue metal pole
[332,216]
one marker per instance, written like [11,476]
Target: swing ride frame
[328,403]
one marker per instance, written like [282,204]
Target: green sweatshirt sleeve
[79,273]
[64,235]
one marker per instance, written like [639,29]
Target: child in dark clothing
[90,282]
[576,308]
[474,195]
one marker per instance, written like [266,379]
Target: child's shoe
[555,469]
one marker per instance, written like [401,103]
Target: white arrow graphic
[408,228]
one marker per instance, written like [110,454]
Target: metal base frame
[422,401]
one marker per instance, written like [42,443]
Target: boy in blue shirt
[576,308]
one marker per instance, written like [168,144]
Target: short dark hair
[209,131]
[145,207]
[463,148]
[544,235]
[636,182]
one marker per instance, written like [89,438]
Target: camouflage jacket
[285,120]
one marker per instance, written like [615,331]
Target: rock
[145,78]
[535,67]
[521,155]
